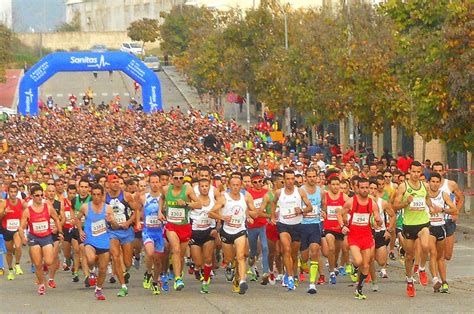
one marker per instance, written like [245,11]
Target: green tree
[74,26]
[144,30]
[5,50]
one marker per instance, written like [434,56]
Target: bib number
[152,221]
[52,223]
[418,204]
[98,228]
[315,213]
[203,222]
[258,202]
[67,214]
[289,212]
[332,212]
[120,218]
[13,224]
[359,219]
[236,221]
[436,217]
[39,227]
[176,214]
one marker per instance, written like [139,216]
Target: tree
[144,30]
[74,26]
[5,50]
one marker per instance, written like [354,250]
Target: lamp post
[285,20]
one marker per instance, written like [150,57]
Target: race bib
[13,224]
[315,213]
[418,204]
[438,217]
[67,214]
[152,221]
[236,221]
[359,219]
[257,202]
[120,218]
[39,227]
[98,228]
[203,222]
[176,214]
[289,211]
[332,212]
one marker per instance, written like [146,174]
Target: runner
[311,228]
[121,239]
[178,228]
[69,225]
[383,233]
[361,242]
[40,241]
[390,188]
[152,233]
[288,200]
[77,245]
[234,209]
[442,205]
[456,195]
[59,208]
[203,234]
[333,200]
[256,230]
[96,235]
[413,197]
[11,211]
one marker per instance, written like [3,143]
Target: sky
[37,15]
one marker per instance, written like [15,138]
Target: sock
[332,273]
[435,279]
[290,278]
[410,280]
[421,268]
[313,271]
[241,281]
[361,281]
[124,286]
[98,289]
[207,272]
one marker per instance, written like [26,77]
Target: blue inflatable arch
[89,61]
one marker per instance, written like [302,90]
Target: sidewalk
[465,223]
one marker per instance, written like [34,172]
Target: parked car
[135,48]
[99,48]
[153,63]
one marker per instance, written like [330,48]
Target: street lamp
[285,19]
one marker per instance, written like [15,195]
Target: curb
[178,88]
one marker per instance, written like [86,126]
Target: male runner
[11,211]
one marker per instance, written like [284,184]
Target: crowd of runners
[98,193]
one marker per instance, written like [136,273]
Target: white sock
[421,268]
[124,286]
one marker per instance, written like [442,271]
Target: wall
[75,40]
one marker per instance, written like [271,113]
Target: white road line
[105,94]
[82,94]
[126,94]
[115,94]
[59,95]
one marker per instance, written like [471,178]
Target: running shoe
[444,288]
[18,270]
[251,275]
[99,295]
[235,287]
[147,281]
[359,295]
[265,279]
[75,277]
[342,271]
[86,282]
[272,279]
[302,277]
[164,282]
[391,255]
[349,268]
[136,263]
[416,268]
[423,277]
[332,279]
[155,288]
[321,280]
[312,289]
[291,284]
[354,276]
[243,287]
[411,289]
[229,272]
[437,286]
[41,290]
[10,275]
[284,282]
[51,283]
[112,279]
[251,261]
[375,287]
[198,275]
[123,292]
[205,286]
[126,276]
[279,277]
[2,271]
[33,269]
[383,273]
[92,280]
[191,269]
[178,284]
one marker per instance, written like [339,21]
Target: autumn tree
[144,30]
[5,50]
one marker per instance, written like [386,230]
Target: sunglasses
[257,181]
[37,195]
[178,178]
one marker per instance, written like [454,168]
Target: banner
[89,61]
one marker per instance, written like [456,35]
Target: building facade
[6,13]
[113,15]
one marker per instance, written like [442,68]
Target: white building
[6,14]
[113,15]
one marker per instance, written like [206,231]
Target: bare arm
[398,202]
[251,210]
[458,194]
[24,220]
[342,214]
[215,212]
[306,201]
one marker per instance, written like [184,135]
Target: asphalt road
[20,295]
[105,88]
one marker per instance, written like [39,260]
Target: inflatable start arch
[89,61]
